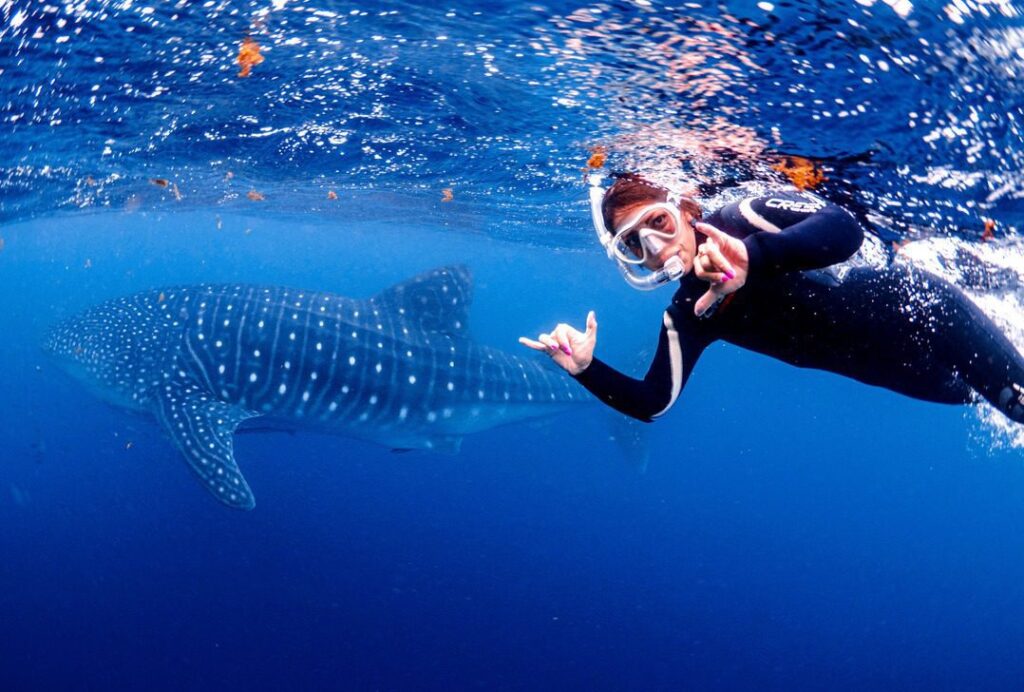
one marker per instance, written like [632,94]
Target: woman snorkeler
[755,274]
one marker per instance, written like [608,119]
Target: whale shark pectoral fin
[437,301]
[203,429]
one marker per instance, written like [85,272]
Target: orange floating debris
[598,154]
[161,298]
[331,194]
[989,232]
[90,181]
[254,196]
[229,175]
[803,173]
[248,56]
[160,182]
[446,195]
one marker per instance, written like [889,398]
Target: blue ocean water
[791,530]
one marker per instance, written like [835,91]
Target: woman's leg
[974,347]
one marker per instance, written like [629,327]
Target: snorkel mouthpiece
[671,271]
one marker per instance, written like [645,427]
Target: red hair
[630,189]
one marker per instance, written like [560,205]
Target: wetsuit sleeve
[792,232]
[655,394]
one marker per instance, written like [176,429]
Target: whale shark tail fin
[203,428]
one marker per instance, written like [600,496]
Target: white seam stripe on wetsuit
[755,219]
[675,353]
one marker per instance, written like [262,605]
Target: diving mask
[635,242]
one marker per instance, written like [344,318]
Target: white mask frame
[622,248]
[631,267]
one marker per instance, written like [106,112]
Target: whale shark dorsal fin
[437,301]
[203,429]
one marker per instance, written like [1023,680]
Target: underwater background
[790,530]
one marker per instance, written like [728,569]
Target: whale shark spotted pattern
[397,368]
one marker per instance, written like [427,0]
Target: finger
[705,270]
[714,277]
[530,343]
[713,233]
[564,337]
[716,257]
[591,325]
[705,302]
[698,266]
[549,342]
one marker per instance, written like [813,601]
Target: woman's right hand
[571,349]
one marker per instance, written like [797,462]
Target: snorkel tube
[671,271]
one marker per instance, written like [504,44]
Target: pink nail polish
[566,350]
[730,276]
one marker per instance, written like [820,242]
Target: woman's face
[683,245]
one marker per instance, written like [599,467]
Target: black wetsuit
[899,328]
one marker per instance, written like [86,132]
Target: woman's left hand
[721,261]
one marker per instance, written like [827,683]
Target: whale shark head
[100,348]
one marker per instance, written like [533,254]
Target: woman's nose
[654,243]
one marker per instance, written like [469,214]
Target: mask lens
[658,220]
[629,247]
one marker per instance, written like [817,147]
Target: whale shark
[398,369]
